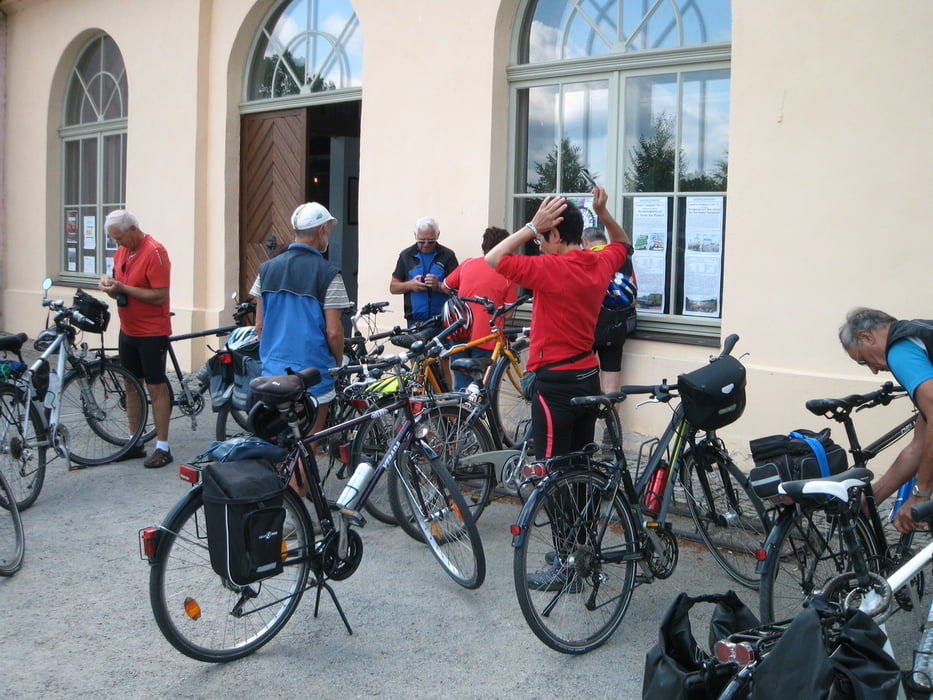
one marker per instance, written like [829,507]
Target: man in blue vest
[882,343]
[301,296]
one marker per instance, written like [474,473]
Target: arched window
[93,137]
[636,92]
[306,47]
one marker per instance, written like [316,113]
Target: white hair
[122,219]
[427,222]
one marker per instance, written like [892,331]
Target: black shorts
[610,357]
[145,356]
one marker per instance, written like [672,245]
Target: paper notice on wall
[89,265]
[649,238]
[90,233]
[703,256]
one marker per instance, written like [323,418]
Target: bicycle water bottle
[654,494]
[472,392]
[355,485]
[903,493]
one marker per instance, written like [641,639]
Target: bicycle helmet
[243,338]
[456,309]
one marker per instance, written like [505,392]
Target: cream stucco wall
[827,191]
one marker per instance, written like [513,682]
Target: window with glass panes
[93,159]
[636,92]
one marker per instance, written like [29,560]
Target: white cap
[310,215]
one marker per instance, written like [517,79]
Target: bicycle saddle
[12,343]
[283,389]
[835,486]
[471,365]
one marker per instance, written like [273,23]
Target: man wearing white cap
[301,296]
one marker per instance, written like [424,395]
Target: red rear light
[343,452]
[761,554]
[189,474]
[416,406]
[740,653]
[359,404]
[226,358]
[515,529]
[149,541]
[534,471]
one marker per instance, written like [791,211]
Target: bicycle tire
[578,601]
[454,441]
[728,515]
[808,550]
[369,445]
[511,411]
[436,513]
[110,436]
[12,538]
[231,422]
[233,621]
[23,446]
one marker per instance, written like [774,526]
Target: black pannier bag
[96,311]
[713,396]
[245,516]
[795,456]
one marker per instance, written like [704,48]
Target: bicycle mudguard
[181,503]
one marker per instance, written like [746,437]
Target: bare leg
[161,409]
[133,407]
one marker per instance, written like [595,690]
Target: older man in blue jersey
[882,343]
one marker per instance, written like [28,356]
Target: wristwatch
[916,492]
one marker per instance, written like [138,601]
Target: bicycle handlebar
[839,409]
[922,511]
[729,344]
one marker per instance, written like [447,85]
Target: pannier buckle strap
[818,450]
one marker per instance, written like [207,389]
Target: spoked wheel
[512,411]
[231,422]
[728,514]
[12,539]
[807,552]
[22,457]
[429,506]
[204,615]
[369,445]
[574,564]
[100,399]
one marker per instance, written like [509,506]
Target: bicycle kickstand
[321,584]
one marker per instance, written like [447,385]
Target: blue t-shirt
[910,364]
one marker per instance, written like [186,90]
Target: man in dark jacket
[420,271]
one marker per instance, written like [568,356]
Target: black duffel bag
[244,514]
[795,456]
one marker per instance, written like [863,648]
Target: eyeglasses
[425,241]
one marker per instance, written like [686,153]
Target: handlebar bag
[245,517]
[96,311]
[714,395]
[801,454]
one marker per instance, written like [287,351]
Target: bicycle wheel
[728,514]
[12,540]
[231,422]
[512,412]
[23,441]
[202,614]
[369,445]
[808,550]
[574,561]
[428,505]
[453,440]
[95,396]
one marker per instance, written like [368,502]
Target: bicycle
[318,545]
[589,523]
[12,538]
[78,407]
[860,585]
[806,548]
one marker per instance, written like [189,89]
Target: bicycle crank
[336,568]
[662,550]
[61,443]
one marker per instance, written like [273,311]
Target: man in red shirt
[140,284]
[474,278]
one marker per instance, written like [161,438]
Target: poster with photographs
[703,256]
[649,238]
[71,226]
[71,259]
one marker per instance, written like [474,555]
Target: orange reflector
[284,550]
[515,529]
[192,609]
[189,474]
[149,540]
